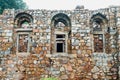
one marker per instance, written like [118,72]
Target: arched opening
[61,24]
[98,22]
[61,17]
[23,30]
[22,19]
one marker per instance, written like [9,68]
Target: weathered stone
[62,43]
[69,68]
[62,69]
[95,76]
[64,77]
[95,69]
[0,69]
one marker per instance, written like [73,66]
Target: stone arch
[98,28]
[63,32]
[21,18]
[99,18]
[61,17]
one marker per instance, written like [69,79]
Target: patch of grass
[49,78]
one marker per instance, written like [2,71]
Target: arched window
[23,19]
[61,17]
[22,23]
[62,26]
[98,22]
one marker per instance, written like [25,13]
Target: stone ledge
[55,55]
[24,30]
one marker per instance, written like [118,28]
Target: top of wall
[46,15]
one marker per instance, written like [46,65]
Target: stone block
[64,77]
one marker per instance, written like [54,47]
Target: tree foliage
[12,4]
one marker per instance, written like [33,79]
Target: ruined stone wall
[34,45]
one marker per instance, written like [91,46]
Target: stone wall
[77,44]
